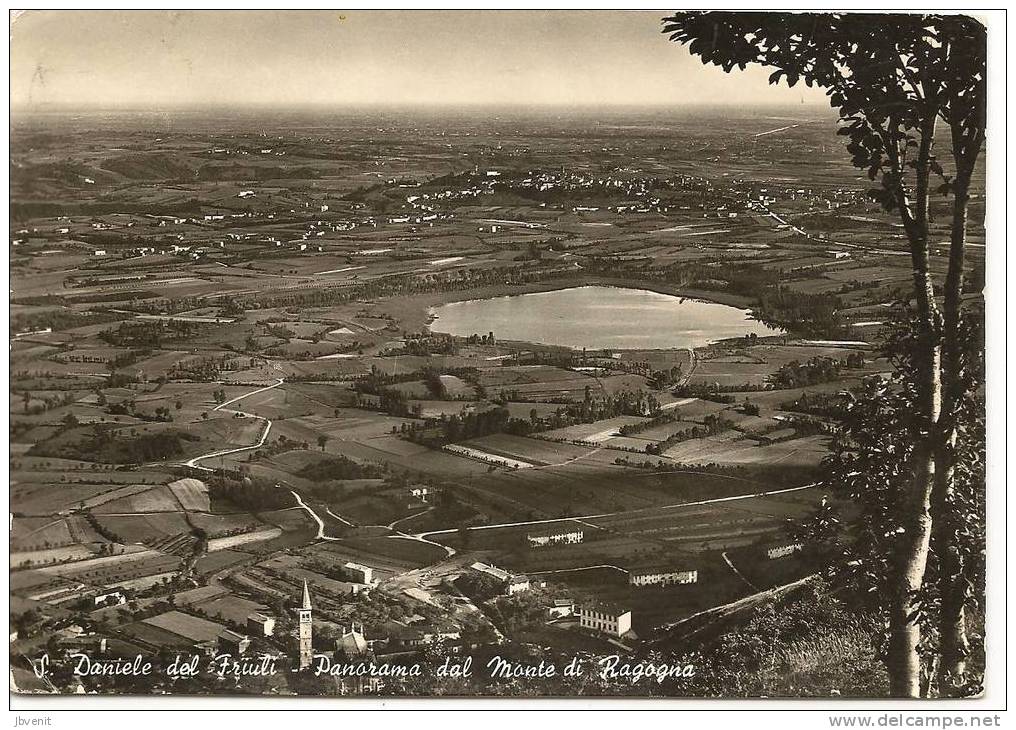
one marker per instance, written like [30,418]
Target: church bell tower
[306,629]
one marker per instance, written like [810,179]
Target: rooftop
[613,609]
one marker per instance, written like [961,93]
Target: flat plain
[226,373]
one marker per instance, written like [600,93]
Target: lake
[599,317]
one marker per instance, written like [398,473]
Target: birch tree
[892,79]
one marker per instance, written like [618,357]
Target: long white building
[662,577]
[782,551]
[571,537]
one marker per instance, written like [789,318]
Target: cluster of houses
[511,582]
[244,151]
[603,618]
[609,620]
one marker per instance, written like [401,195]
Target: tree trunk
[903,660]
[954,645]
[953,587]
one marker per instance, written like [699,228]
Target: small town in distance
[369,388]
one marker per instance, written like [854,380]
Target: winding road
[222,407]
[424,537]
[314,516]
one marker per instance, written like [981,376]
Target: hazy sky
[184,58]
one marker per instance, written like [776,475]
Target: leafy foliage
[339,467]
[870,465]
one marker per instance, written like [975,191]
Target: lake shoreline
[600,316]
[413,310]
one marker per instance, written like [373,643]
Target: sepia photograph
[523,354]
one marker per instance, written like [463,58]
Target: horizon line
[346,106]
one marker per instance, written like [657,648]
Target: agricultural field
[234,370]
[192,494]
[593,433]
[185,626]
